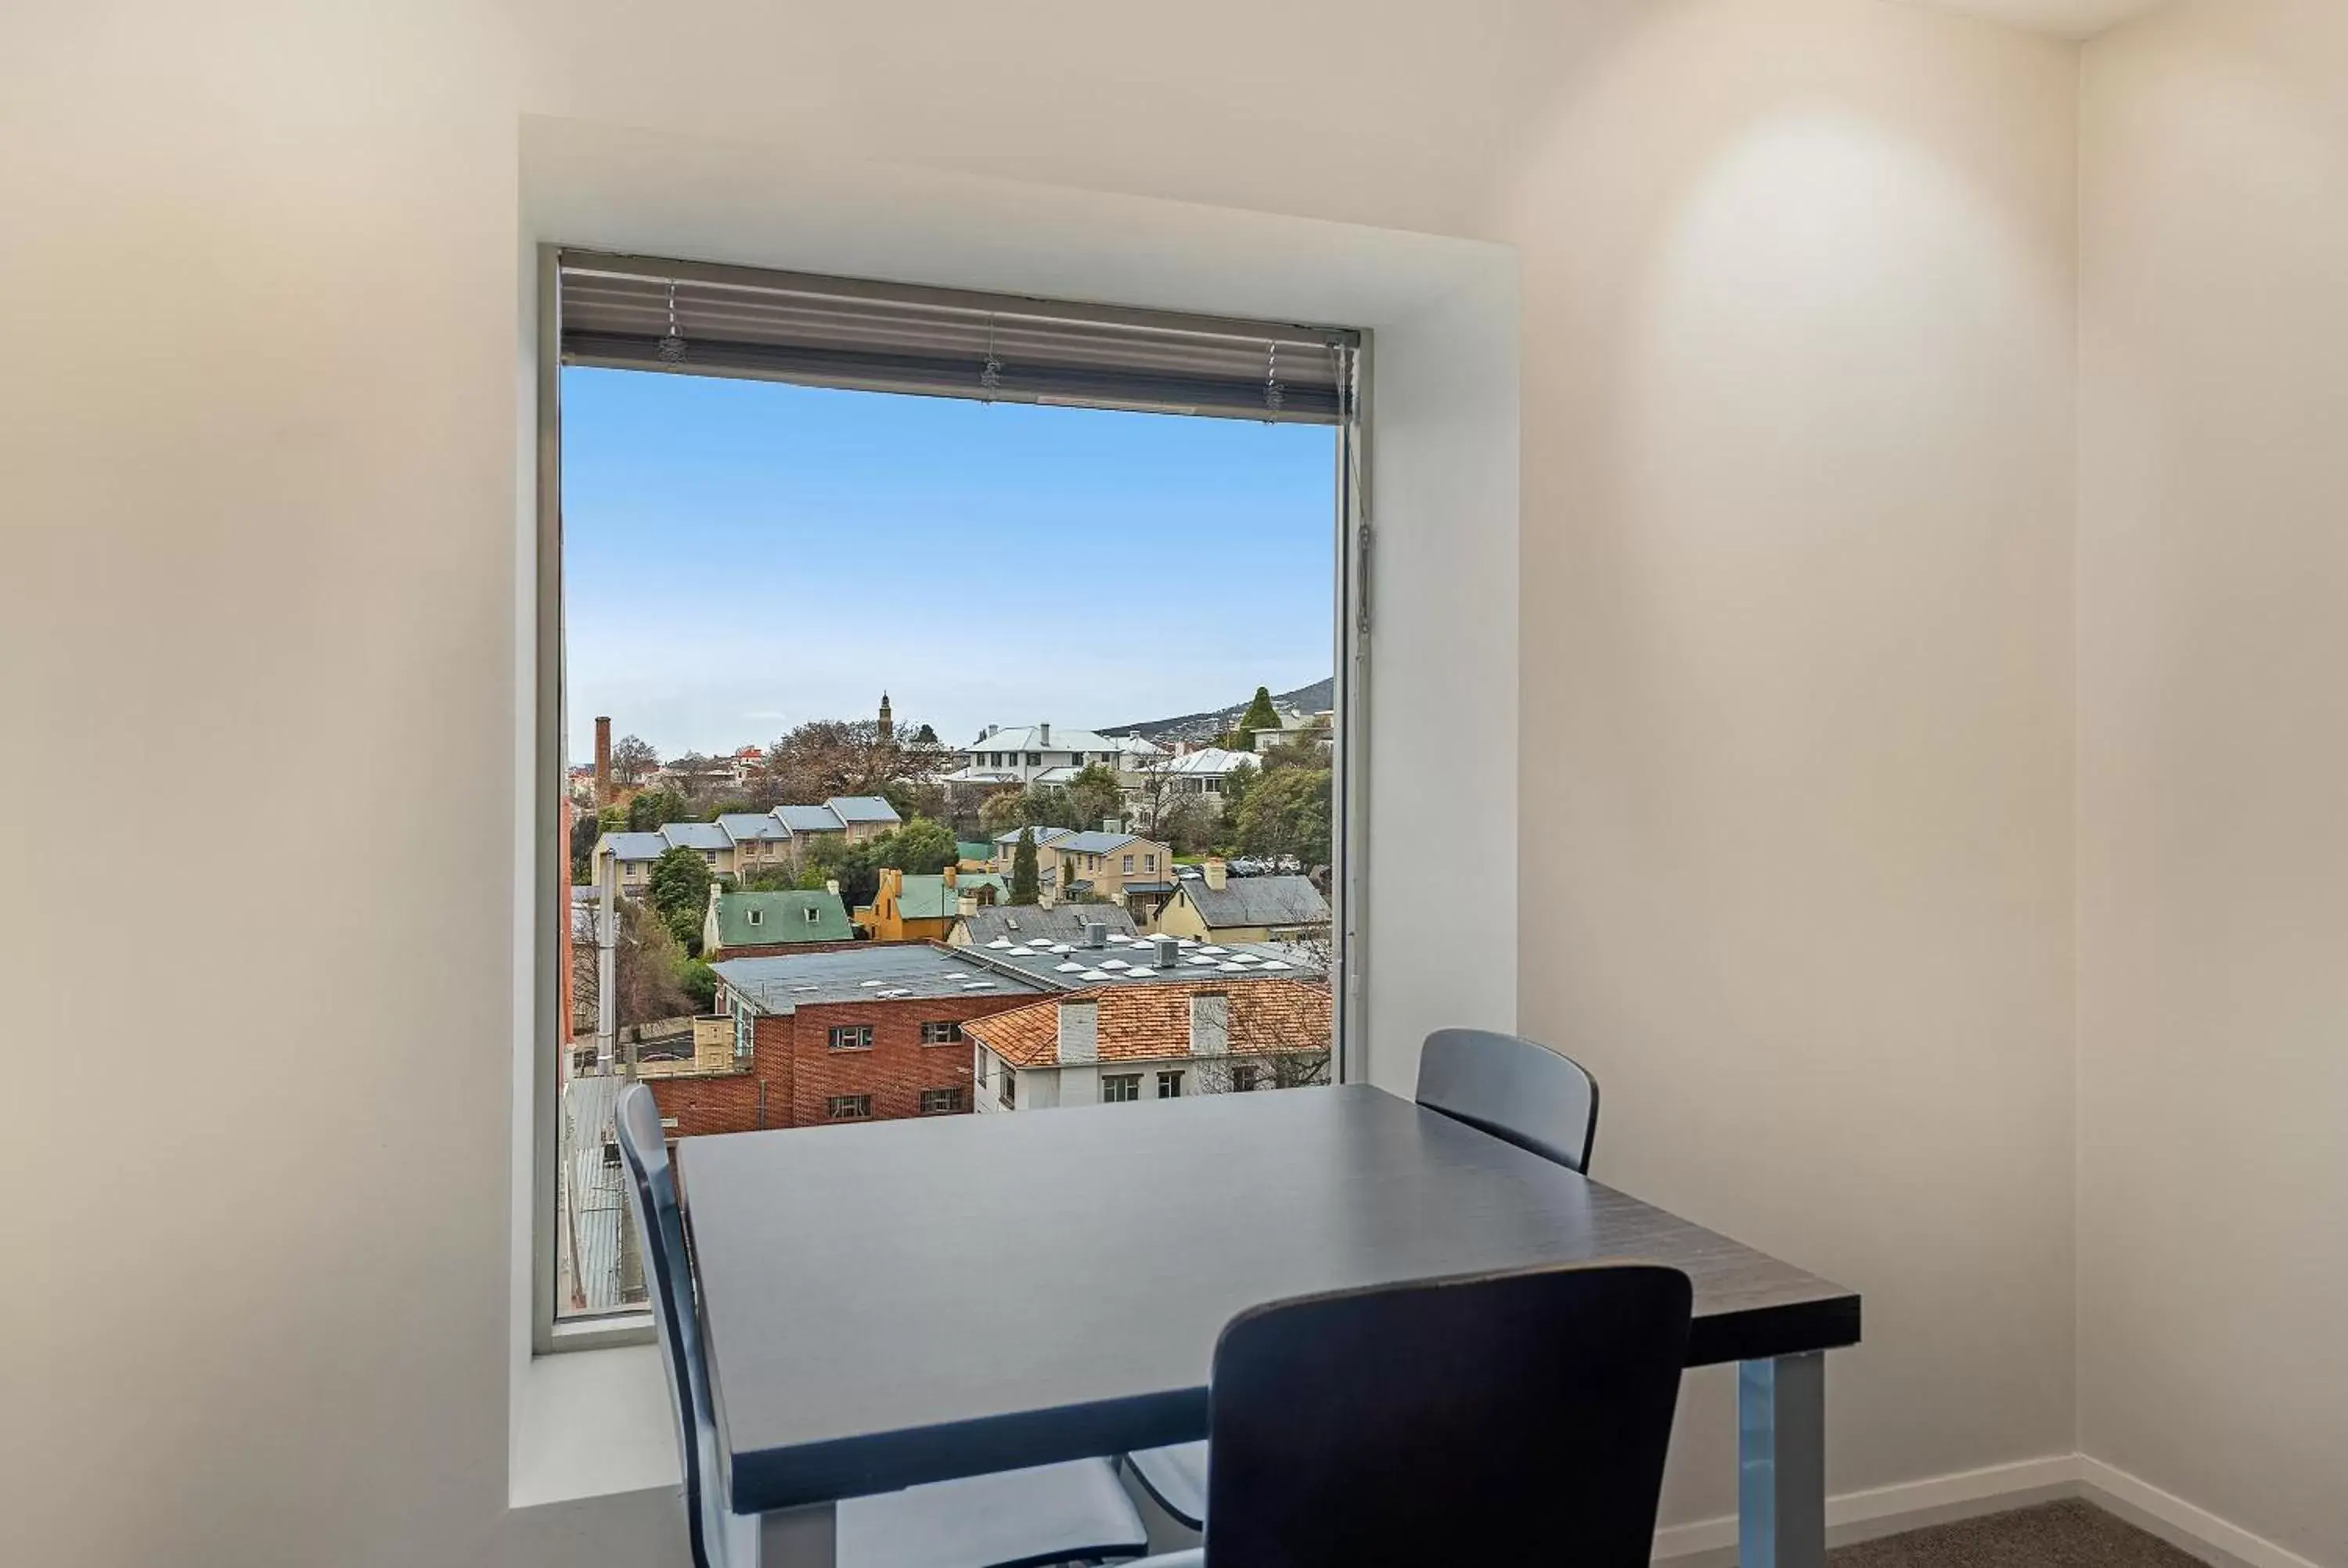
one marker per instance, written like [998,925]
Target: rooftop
[1029,922]
[761,919]
[1042,835]
[632,846]
[862,808]
[745,825]
[696,835]
[1152,1023]
[888,971]
[929,897]
[1069,965]
[1033,738]
[809,819]
[1206,762]
[1257,901]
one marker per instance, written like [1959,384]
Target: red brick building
[867,1033]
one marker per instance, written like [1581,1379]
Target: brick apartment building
[867,1033]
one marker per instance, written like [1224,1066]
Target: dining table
[888,1303]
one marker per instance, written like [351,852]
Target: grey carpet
[2052,1536]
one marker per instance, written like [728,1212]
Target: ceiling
[2067,18]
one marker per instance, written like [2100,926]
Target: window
[1116,1088]
[1243,1077]
[649,373]
[1170,1086]
[942,1102]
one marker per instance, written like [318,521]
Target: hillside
[1205,726]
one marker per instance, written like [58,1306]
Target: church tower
[888,724]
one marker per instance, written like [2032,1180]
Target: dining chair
[1053,1514]
[1520,1416]
[1518,1091]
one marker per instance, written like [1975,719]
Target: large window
[985,665]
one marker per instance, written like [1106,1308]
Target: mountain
[1310,699]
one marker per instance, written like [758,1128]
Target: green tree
[1026,881]
[1259,717]
[1094,797]
[583,834]
[1037,805]
[921,848]
[649,810]
[680,893]
[1286,813]
[926,737]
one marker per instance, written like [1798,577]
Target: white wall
[2213,577]
[1798,295]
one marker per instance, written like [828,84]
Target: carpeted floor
[2051,1535]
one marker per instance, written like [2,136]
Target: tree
[1286,814]
[921,848]
[634,761]
[680,892]
[1094,797]
[926,737]
[1292,754]
[1259,717]
[699,981]
[826,757]
[585,832]
[1037,805]
[647,964]
[1026,882]
[1185,826]
[654,807]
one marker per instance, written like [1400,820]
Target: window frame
[862,1103]
[833,1032]
[1123,1080]
[547,718]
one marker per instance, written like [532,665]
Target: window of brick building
[942,1101]
[848,1107]
[851,1036]
[943,1033]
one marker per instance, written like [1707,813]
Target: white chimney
[1218,872]
[966,905]
[1043,732]
[1211,1024]
[831,886]
[1079,1032]
[1112,825]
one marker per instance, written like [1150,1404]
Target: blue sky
[740,557]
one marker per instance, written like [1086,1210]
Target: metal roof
[1096,843]
[1029,922]
[1259,901]
[632,846]
[782,917]
[743,826]
[696,835]
[1062,966]
[809,819]
[1030,738]
[862,808]
[927,897]
[1042,835]
[886,971]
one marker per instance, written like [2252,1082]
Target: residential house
[1216,906]
[1204,773]
[923,908]
[1039,754]
[1054,924]
[870,1032]
[1006,848]
[807,824]
[626,859]
[761,925]
[760,840]
[1119,868]
[863,816]
[1113,1044]
[706,839]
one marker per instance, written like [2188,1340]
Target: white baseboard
[2180,1522]
[1941,1500]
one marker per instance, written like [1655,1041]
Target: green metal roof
[926,899]
[969,850]
[781,918]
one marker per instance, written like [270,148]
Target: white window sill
[592,1423]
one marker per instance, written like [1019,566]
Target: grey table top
[900,1302]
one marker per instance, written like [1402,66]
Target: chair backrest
[1517,1090]
[668,1273]
[1499,1419]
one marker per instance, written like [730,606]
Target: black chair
[1018,1519]
[1518,1091]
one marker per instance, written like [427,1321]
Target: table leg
[1781,1463]
[792,1538]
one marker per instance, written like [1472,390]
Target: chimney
[893,884]
[1095,934]
[952,873]
[1112,825]
[831,886]
[1211,1024]
[603,762]
[1043,732]
[1079,1031]
[966,905]
[1218,872]
[1168,952]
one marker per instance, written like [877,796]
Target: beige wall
[1799,293]
[2213,782]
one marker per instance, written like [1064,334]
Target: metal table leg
[792,1538]
[1781,1463]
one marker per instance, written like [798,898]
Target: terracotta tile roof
[1152,1023]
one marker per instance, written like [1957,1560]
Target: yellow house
[1219,907]
[920,908]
